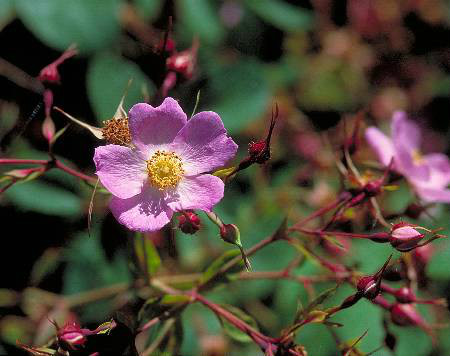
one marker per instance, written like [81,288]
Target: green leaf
[44,198]
[231,330]
[212,271]
[147,255]
[46,264]
[89,24]
[6,12]
[309,310]
[107,80]
[148,9]
[282,15]
[200,19]
[88,269]
[437,268]
[240,92]
[8,298]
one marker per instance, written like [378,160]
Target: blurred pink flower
[166,168]
[429,175]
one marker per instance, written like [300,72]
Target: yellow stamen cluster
[116,131]
[417,157]
[165,170]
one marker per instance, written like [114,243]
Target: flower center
[165,170]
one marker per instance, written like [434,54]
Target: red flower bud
[229,233]
[189,222]
[256,148]
[405,315]
[405,237]
[370,286]
[50,72]
[184,62]
[405,295]
[71,336]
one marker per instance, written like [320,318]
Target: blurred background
[320,60]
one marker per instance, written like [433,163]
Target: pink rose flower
[166,167]
[429,175]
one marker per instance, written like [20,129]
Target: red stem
[22,161]
[333,233]
[262,340]
[321,211]
[75,173]
[49,164]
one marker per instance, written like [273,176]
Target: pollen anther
[116,131]
[165,170]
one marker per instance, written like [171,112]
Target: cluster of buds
[189,222]
[50,75]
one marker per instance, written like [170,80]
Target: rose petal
[404,132]
[152,128]
[439,164]
[120,169]
[408,166]
[433,195]
[198,192]
[144,212]
[380,144]
[203,144]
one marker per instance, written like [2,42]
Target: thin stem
[340,200]
[332,233]
[75,173]
[49,163]
[22,161]
[260,339]
[96,294]
[160,338]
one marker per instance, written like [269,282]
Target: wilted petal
[151,127]
[120,170]
[146,211]
[198,192]
[203,144]
[380,144]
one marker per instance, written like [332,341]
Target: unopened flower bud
[405,237]
[368,287]
[189,222]
[405,295]
[405,315]
[230,233]
[71,337]
[256,148]
[50,74]
[184,62]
